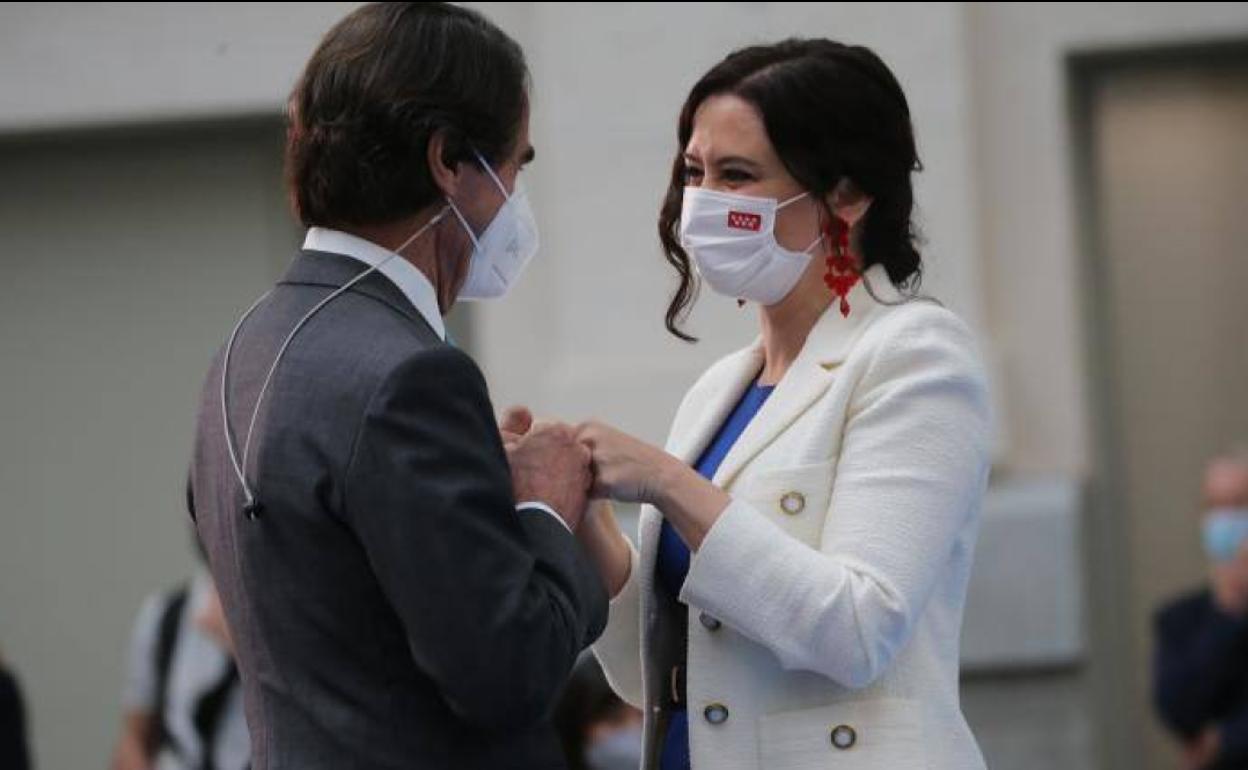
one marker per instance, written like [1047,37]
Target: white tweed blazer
[825,604]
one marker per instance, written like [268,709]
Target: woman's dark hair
[832,112]
[380,84]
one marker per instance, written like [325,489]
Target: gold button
[844,737]
[716,713]
[793,503]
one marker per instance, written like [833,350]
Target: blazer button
[709,622]
[844,737]
[793,503]
[716,713]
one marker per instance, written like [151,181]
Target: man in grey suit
[400,576]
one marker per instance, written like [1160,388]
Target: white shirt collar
[403,274]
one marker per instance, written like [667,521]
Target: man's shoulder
[440,368]
[353,343]
[1184,609]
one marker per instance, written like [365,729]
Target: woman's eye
[736,176]
[692,174]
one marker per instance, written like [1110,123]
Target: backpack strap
[166,642]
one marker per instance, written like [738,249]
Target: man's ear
[848,203]
[446,174]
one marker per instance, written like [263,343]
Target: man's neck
[421,253]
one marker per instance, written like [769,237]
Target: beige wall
[1025,194]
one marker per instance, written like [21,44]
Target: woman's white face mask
[732,240]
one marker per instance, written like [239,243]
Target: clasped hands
[566,466]
[573,469]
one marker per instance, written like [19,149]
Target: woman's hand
[625,469]
[629,470]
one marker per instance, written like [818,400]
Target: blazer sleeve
[497,604]
[912,467]
[619,648]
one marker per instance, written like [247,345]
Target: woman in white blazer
[806,535]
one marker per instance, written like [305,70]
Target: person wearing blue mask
[398,571]
[598,730]
[1201,667]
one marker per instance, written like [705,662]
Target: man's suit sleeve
[496,604]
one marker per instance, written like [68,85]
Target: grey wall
[124,257]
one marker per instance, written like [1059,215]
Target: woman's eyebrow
[727,160]
[730,160]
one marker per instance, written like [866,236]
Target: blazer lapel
[810,375]
[800,387]
[694,429]
[716,401]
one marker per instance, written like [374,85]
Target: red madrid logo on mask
[741,220]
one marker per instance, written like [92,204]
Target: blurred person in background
[14,754]
[182,703]
[598,730]
[1201,669]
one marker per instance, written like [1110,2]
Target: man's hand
[548,465]
[515,422]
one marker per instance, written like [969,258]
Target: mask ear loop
[490,170]
[476,244]
[794,199]
[501,188]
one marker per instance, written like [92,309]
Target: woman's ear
[446,175]
[848,203]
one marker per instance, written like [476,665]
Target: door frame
[1115,654]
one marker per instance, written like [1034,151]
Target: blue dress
[672,564]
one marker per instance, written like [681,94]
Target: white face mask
[732,241]
[509,243]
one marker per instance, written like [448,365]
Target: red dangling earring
[842,275]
